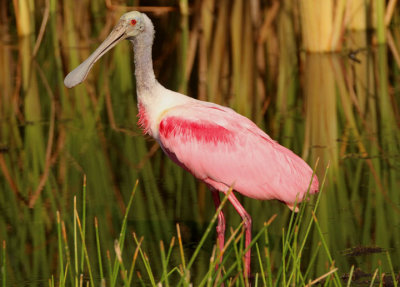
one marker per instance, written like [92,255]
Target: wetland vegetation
[87,200]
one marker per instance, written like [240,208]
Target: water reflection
[350,125]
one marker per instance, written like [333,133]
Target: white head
[129,26]
[134,22]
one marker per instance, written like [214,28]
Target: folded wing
[225,149]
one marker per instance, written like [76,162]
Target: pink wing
[223,148]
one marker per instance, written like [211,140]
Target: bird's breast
[144,121]
[154,105]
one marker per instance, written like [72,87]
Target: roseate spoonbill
[214,143]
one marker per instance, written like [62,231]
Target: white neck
[153,99]
[142,47]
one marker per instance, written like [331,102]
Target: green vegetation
[229,270]
[339,108]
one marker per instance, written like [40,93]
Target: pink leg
[221,221]
[247,226]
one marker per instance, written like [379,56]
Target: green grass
[287,271]
[136,266]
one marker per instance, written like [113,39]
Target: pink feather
[223,149]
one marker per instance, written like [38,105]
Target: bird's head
[129,26]
[133,22]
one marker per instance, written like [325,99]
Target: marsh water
[340,108]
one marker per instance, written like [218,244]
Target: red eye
[133,22]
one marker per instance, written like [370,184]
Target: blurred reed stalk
[356,15]
[24,11]
[380,24]
[287,76]
[324,22]
[322,25]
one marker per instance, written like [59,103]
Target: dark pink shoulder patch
[202,131]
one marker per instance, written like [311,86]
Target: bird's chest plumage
[143,119]
[154,105]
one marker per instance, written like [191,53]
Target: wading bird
[214,143]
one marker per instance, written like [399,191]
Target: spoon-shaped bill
[78,75]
